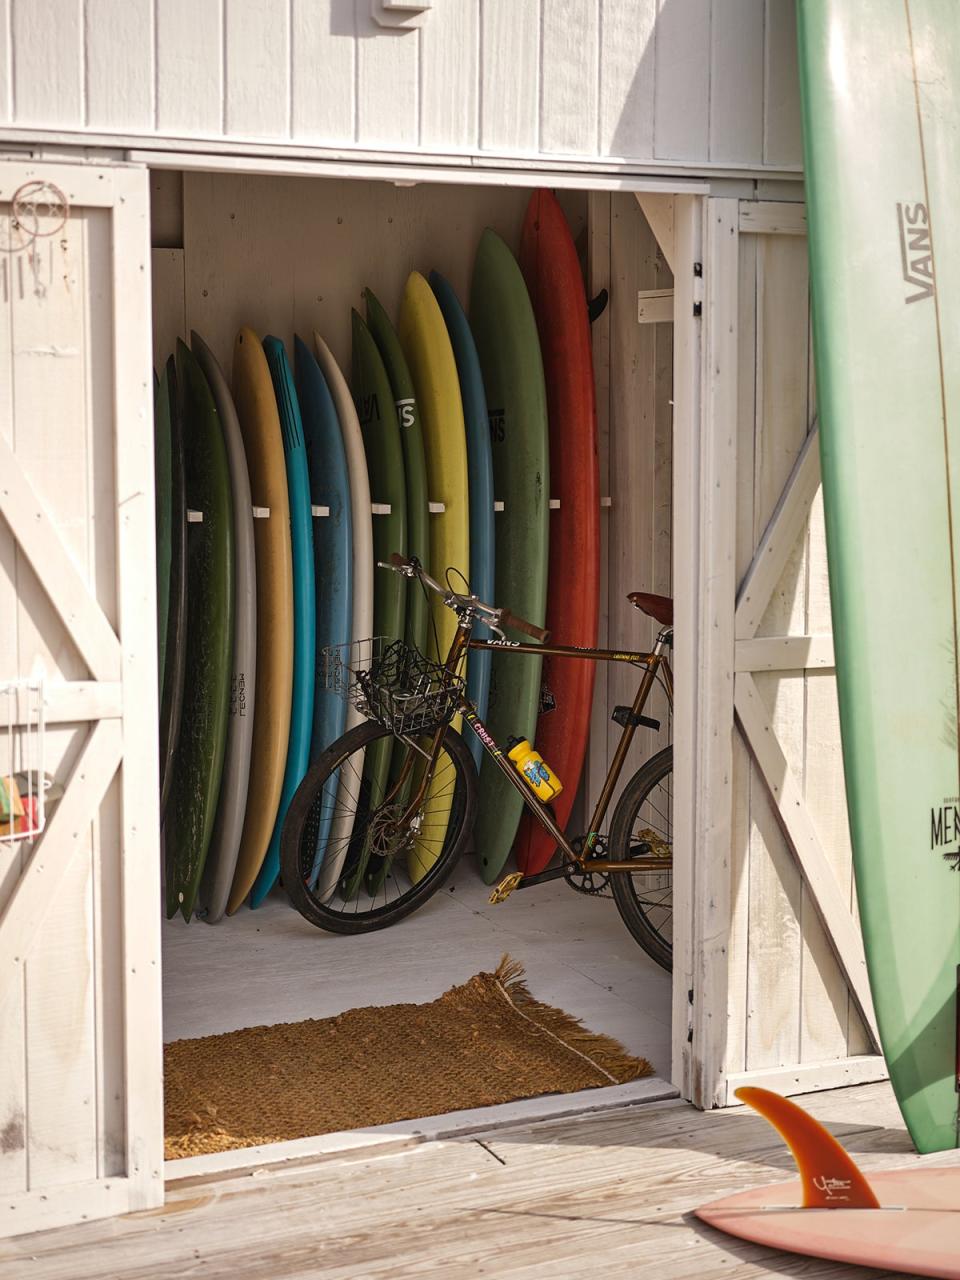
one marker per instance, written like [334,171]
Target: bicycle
[353,861]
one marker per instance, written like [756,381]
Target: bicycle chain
[592,883]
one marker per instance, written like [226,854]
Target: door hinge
[698,288]
[690,1017]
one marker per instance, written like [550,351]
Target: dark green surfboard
[414,463]
[373,397]
[210,602]
[163,467]
[505,330]
[880,84]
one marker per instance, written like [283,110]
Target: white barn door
[80,1030]
[772,986]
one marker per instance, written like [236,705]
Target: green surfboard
[505,330]
[373,397]
[414,462]
[881,110]
[210,602]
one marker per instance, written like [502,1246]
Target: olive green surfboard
[881,109]
[163,464]
[171,494]
[210,602]
[373,397]
[505,330]
[414,463]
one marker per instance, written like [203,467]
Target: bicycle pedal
[506,886]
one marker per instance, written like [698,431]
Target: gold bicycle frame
[652,663]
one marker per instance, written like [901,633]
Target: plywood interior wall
[789,1001]
[61,1100]
[626,81]
[287,255]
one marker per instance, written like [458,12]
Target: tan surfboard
[260,425]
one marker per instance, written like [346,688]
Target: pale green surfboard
[881,105]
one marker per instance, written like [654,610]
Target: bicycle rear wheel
[387,870]
[643,827]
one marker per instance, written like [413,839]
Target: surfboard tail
[830,1177]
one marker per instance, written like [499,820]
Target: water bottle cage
[624,716]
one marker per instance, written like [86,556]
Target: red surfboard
[551,269]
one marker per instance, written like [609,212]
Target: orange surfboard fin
[831,1179]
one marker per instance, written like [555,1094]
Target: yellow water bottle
[537,774]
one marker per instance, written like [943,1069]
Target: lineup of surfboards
[466,438]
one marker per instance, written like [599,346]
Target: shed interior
[286,255]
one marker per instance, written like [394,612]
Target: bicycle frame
[653,662]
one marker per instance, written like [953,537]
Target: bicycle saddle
[660,608]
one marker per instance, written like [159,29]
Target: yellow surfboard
[260,426]
[426,345]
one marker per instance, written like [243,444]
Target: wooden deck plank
[567,1198]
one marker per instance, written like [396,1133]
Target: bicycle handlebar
[498,617]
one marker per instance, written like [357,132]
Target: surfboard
[362,622]
[505,330]
[886,307]
[198,766]
[414,462]
[171,694]
[228,828]
[551,269]
[263,444]
[426,345]
[332,557]
[373,398]
[163,470]
[304,606]
[896,1220]
[480,477]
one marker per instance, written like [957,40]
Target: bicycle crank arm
[517,880]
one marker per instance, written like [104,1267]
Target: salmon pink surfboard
[551,269]
[900,1220]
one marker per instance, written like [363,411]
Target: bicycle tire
[639,910]
[297,849]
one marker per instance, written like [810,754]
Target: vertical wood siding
[680,81]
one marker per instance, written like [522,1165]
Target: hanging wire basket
[23,783]
[392,683]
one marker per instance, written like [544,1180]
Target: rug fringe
[607,1054]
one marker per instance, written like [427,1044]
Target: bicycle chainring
[591,883]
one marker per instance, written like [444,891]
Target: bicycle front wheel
[350,865]
[642,827]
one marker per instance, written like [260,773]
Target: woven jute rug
[481,1043]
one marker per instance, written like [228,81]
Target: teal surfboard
[332,558]
[881,112]
[304,605]
[198,767]
[480,473]
[414,463]
[505,331]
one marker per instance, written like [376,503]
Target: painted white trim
[771,217]
[784,653]
[72,702]
[687,382]
[840,923]
[379,1139]
[655,306]
[810,1077]
[38,538]
[137,625]
[716,590]
[42,1210]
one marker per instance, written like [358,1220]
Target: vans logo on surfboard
[916,250]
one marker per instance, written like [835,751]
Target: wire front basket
[392,683]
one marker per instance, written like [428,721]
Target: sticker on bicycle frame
[945,830]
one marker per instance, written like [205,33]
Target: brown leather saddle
[660,608]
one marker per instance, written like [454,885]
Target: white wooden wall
[642,82]
[80,1087]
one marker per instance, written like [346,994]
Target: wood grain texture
[627,76]
[782,142]
[6,64]
[323,106]
[510,104]
[388,84]
[257,85]
[736,81]
[682,105]
[47,45]
[569,52]
[449,77]
[190,84]
[118,45]
[530,1202]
